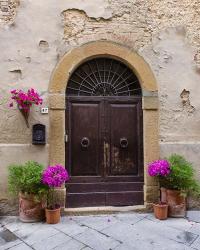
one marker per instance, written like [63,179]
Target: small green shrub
[181,177]
[26,178]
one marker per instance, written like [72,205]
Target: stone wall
[8,10]
[34,36]
[134,22]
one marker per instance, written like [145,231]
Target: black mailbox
[39,134]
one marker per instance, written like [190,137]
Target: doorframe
[57,88]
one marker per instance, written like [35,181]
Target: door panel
[84,139]
[105,187]
[91,199]
[123,139]
[104,151]
[124,198]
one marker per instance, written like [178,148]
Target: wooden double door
[104,151]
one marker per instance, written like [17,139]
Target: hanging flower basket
[25,112]
[25,100]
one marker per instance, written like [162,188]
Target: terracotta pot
[52,216]
[160,211]
[177,211]
[30,210]
[177,203]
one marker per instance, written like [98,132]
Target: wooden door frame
[58,83]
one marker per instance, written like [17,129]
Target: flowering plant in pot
[179,184]
[25,100]
[53,177]
[160,169]
[24,180]
[177,179]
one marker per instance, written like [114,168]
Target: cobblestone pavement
[123,231]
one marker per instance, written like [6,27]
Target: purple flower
[159,168]
[54,176]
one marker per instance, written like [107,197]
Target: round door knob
[123,142]
[85,142]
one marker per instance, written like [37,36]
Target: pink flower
[26,99]
[55,176]
[11,104]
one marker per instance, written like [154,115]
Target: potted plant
[176,178]
[25,100]
[178,184]
[160,210]
[53,177]
[160,169]
[24,180]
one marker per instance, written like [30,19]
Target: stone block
[106,48]
[71,245]
[56,137]
[72,229]
[151,136]
[151,194]
[97,222]
[193,216]
[96,240]
[8,239]
[21,246]
[150,102]
[57,101]
[169,233]
[52,242]
[38,235]
[196,244]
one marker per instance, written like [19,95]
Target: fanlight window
[103,77]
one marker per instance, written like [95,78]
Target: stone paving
[124,231]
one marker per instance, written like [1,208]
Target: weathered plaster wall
[34,35]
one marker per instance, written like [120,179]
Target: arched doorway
[104,150]
[58,106]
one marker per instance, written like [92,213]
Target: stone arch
[57,88]
[75,57]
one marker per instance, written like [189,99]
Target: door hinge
[66,138]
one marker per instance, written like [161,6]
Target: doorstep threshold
[104,210]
